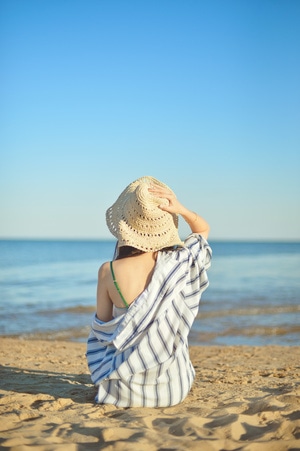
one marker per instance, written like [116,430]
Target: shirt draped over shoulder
[141,358]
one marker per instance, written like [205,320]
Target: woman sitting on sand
[147,299]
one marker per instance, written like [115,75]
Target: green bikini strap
[117,286]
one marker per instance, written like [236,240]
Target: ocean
[48,291]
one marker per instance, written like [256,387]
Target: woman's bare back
[133,275]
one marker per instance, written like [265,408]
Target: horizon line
[112,239]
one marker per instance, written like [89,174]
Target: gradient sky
[203,95]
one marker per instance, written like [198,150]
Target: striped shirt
[141,358]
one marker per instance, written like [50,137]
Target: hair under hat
[136,220]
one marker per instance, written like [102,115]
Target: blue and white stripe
[141,358]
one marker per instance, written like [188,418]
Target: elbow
[205,232]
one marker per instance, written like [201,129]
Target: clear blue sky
[204,95]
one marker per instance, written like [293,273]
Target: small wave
[261,330]
[71,334]
[80,309]
[255,331]
[252,311]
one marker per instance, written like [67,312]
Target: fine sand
[243,398]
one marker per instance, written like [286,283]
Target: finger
[161,192]
[164,207]
[159,188]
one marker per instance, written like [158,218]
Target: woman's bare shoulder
[104,270]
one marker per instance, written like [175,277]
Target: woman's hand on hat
[174,205]
[196,222]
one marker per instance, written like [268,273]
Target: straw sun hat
[136,220]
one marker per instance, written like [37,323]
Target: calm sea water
[47,290]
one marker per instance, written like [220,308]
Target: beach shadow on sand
[77,387]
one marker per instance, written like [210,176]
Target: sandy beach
[243,398]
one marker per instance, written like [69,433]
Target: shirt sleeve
[199,261]
[199,249]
